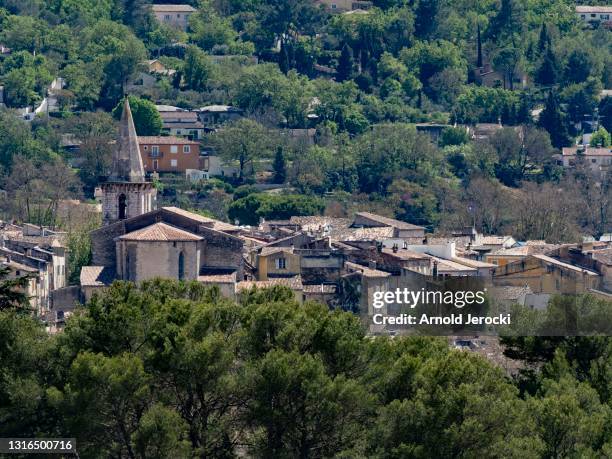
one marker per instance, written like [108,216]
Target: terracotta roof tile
[218,278]
[96,276]
[160,232]
[385,221]
[365,271]
[214,224]
[294,283]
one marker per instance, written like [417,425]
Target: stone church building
[139,242]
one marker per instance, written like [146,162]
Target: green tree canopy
[147,119]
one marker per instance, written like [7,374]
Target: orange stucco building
[168,154]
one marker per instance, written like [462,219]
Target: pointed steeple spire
[127,163]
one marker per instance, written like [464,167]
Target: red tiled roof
[164,140]
[160,232]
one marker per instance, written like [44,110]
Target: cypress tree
[547,73]
[345,64]
[279,166]
[284,57]
[544,39]
[553,120]
[479,49]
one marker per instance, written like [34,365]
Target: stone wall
[103,244]
[139,261]
[65,299]
[140,199]
[222,251]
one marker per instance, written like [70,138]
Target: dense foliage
[173,370]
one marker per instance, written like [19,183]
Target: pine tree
[279,166]
[345,64]
[553,120]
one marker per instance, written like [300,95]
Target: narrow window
[181,266]
[122,206]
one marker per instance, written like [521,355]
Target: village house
[157,66]
[545,274]
[595,15]
[596,159]
[40,254]
[341,6]
[169,154]
[214,115]
[32,289]
[140,82]
[182,123]
[503,256]
[173,15]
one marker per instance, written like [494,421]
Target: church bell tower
[126,193]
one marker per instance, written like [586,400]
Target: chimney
[372,264]
[435,268]
[395,248]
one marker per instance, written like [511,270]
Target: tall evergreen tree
[345,64]
[279,166]
[425,18]
[508,22]
[552,119]
[284,56]
[479,49]
[547,72]
[544,40]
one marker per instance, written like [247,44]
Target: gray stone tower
[126,193]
